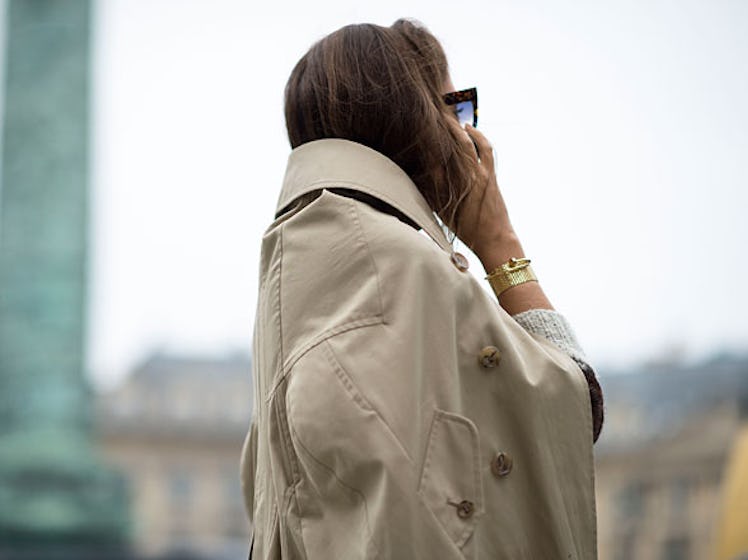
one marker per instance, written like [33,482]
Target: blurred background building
[663,462]
[175,428]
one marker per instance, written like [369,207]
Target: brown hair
[382,87]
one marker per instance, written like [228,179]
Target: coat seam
[290,494]
[365,321]
[341,371]
[281,418]
[279,308]
[362,236]
[338,480]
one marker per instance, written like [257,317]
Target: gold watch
[511,273]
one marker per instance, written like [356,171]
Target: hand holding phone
[484,217]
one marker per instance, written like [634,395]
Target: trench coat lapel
[343,163]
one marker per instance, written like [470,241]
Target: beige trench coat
[399,411]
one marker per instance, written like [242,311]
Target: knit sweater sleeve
[555,327]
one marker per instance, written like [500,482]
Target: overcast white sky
[620,129]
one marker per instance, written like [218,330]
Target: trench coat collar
[344,163]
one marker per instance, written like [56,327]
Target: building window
[675,548]
[679,497]
[180,487]
[630,500]
[625,548]
[232,488]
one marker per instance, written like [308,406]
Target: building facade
[175,429]
[669,434]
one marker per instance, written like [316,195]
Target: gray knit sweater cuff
[555,327]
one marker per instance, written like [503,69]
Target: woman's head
[383,87]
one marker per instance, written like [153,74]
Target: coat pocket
[450,483]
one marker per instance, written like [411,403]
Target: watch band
[513,272]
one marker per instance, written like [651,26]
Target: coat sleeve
[555,327]
[360,489]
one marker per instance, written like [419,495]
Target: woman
[400,411]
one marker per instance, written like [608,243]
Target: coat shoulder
[339,261]
[327,280]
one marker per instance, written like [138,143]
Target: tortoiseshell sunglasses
[466,101]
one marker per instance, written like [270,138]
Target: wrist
[500,250]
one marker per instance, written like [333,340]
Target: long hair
[382,87]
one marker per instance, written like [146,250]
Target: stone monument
[55,496]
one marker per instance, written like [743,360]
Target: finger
[464,138]
[485,150]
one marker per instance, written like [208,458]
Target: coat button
[460,261]
[489,357]
[501,464]
[464,509]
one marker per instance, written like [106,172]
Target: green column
[52,488]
